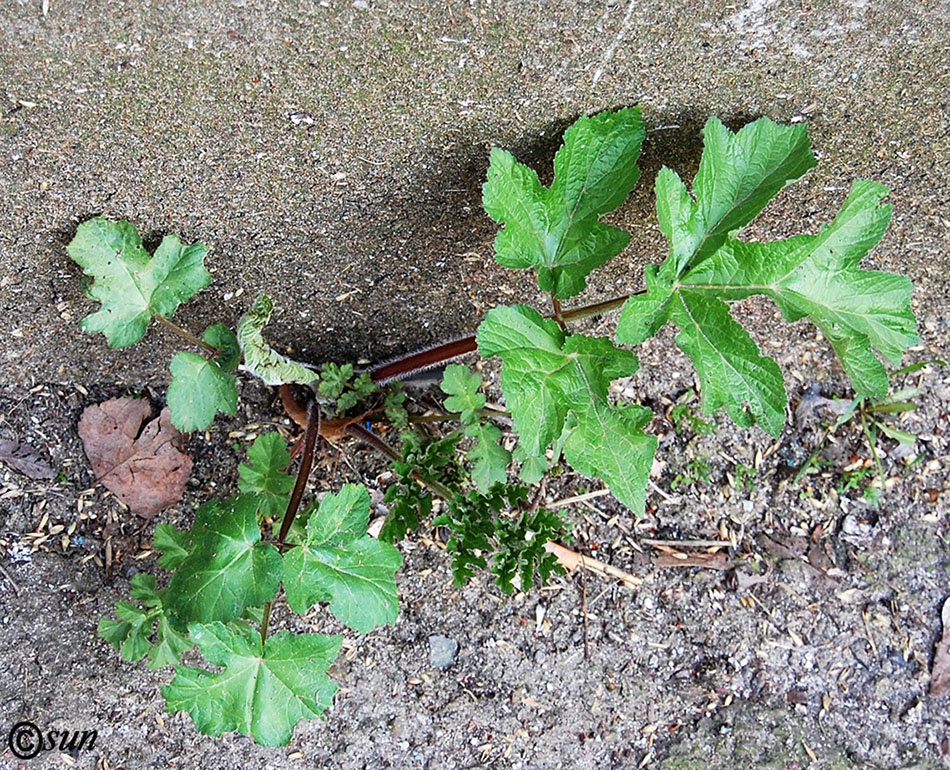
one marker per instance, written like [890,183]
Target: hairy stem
[185,334]
[439,354]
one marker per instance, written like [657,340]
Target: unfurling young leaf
[265,476]
[548,375]
[228,568]
[132,286]
[338,562]
[557,230]
[264,690]
[260,359]
[229,352]
[815,276]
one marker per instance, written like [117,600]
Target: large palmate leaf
[265,476]
[260,358]
[818,276]
[132,286]
[815,276]
[557,230]
[264,690]
[228,568]
[339,563]
[549,376]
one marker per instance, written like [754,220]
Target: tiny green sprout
[744,478]
[695,471]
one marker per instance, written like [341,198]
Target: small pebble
[442,651]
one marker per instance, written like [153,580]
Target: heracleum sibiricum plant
[227,569]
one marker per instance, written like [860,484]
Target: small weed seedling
[872,415]
[228,569]
[685,419]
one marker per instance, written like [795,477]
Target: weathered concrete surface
[332,153]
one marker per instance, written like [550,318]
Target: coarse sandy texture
[332,153]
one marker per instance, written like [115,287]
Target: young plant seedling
[556,383]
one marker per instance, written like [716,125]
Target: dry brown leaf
[24,459]
[144,467]
[940,673]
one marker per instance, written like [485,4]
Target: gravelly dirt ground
[332,154]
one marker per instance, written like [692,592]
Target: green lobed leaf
[333,379]
[132,286]
[265,475]
[740,173]
[339,563]
[522,552]
[548,376]
[818,276]
[175,544]
[489,459]
[259,358]
[815,276]
[409,502]
[228,568]
[264,690]
[199,389]
[472,519]
[462,385]
[132,633]
[733,374]
[394,406]
[557,230]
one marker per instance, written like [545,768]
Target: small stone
[442,651]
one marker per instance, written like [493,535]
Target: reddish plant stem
[423,359]
[438,354]
[558,316]
[306,463]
